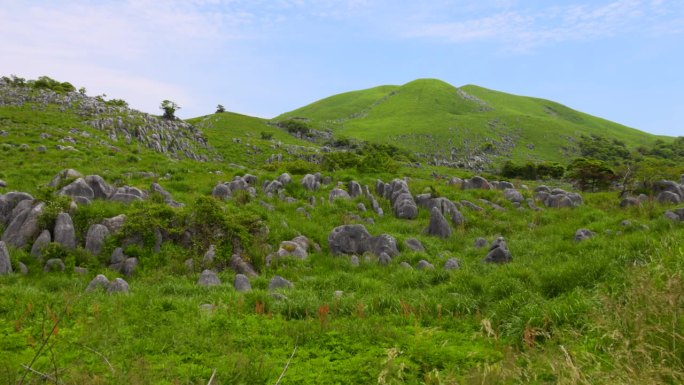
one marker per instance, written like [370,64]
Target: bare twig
[45,376]
[42,346]
[287,364]
[212,377]
[99,354]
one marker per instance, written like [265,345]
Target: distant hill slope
[461,125]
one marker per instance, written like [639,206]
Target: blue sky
[622,60]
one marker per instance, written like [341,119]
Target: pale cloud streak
[518,29]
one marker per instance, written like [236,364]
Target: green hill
[436,119]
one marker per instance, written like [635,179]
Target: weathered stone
[438,225]
[273,187]
[471,205]
[384,259]
[122,197]
[285,179]
[498,252]
[209,257]
[63,176]
[310,182]
[384,243]
[424,265]
[24,227]
[354,189]
[337,193]
[221,191]
[117,256]
[583,234]
[241,267]
[54,264]
[77,188]
[354,260]
[5,261]
[476,182]
[118,285]
[406,266]
[513,195]
[241,283]
[23,269]
[349,239]
[208,278]
[113,224]
[80,270]
[480,242]
[292,249]
[100,188]
[40,243]
[95,238]
[503,185]
[361,207]
[672,216]
[99,282]
[278,282]
[452,264]
[65,234]
[414,244]
[129,266]
[668,197]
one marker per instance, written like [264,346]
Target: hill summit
[460,126]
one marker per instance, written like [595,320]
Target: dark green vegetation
[602,311]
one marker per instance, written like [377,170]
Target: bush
[266,135]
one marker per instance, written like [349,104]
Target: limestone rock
[476,182]
[95,238]
[5,261]
[99,282]
[39,244]
[452,264]
[65,234]
[54,264]
[241,283]
[278,282]
[78,188]
[583,234]
[414,244]
[337,193]
[438,225]
[118,285]
[208,278]
[513,195]
[498,252]
[424,265]
[24,227]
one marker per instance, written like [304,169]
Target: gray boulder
[241,283]
[221,191]
[95,238]
[583,234]
[406,266]
[354,189]
[384,259]
[278,282]
[208,278]
[285,179]
[672,216]
[480,242]
[23,269]
[5,261]
[337,193]
[503,185]
[54,264]
[310,182]
[77,188]
[240,266]
[630,202]
[424,265]
[97,283]
[498,252]
[384,243]
[476,182]
[355,239]
[118,285]
[471,205]
[414,244]
[668,197]
[113,224]
[24,227]
[668,186]
[354,260]
[438,225]
[63,176]
[40,243]
[292,249]
[209,257]
[452,264]
[65,234]
[100,188]
[513,195]
[129,266]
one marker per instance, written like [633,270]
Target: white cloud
[522,29]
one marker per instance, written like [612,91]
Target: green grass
[429,116]
[607,310]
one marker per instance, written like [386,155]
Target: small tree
[220,109]
[169,109]
[590,174]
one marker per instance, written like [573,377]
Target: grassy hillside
[606,310]
[432,117]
